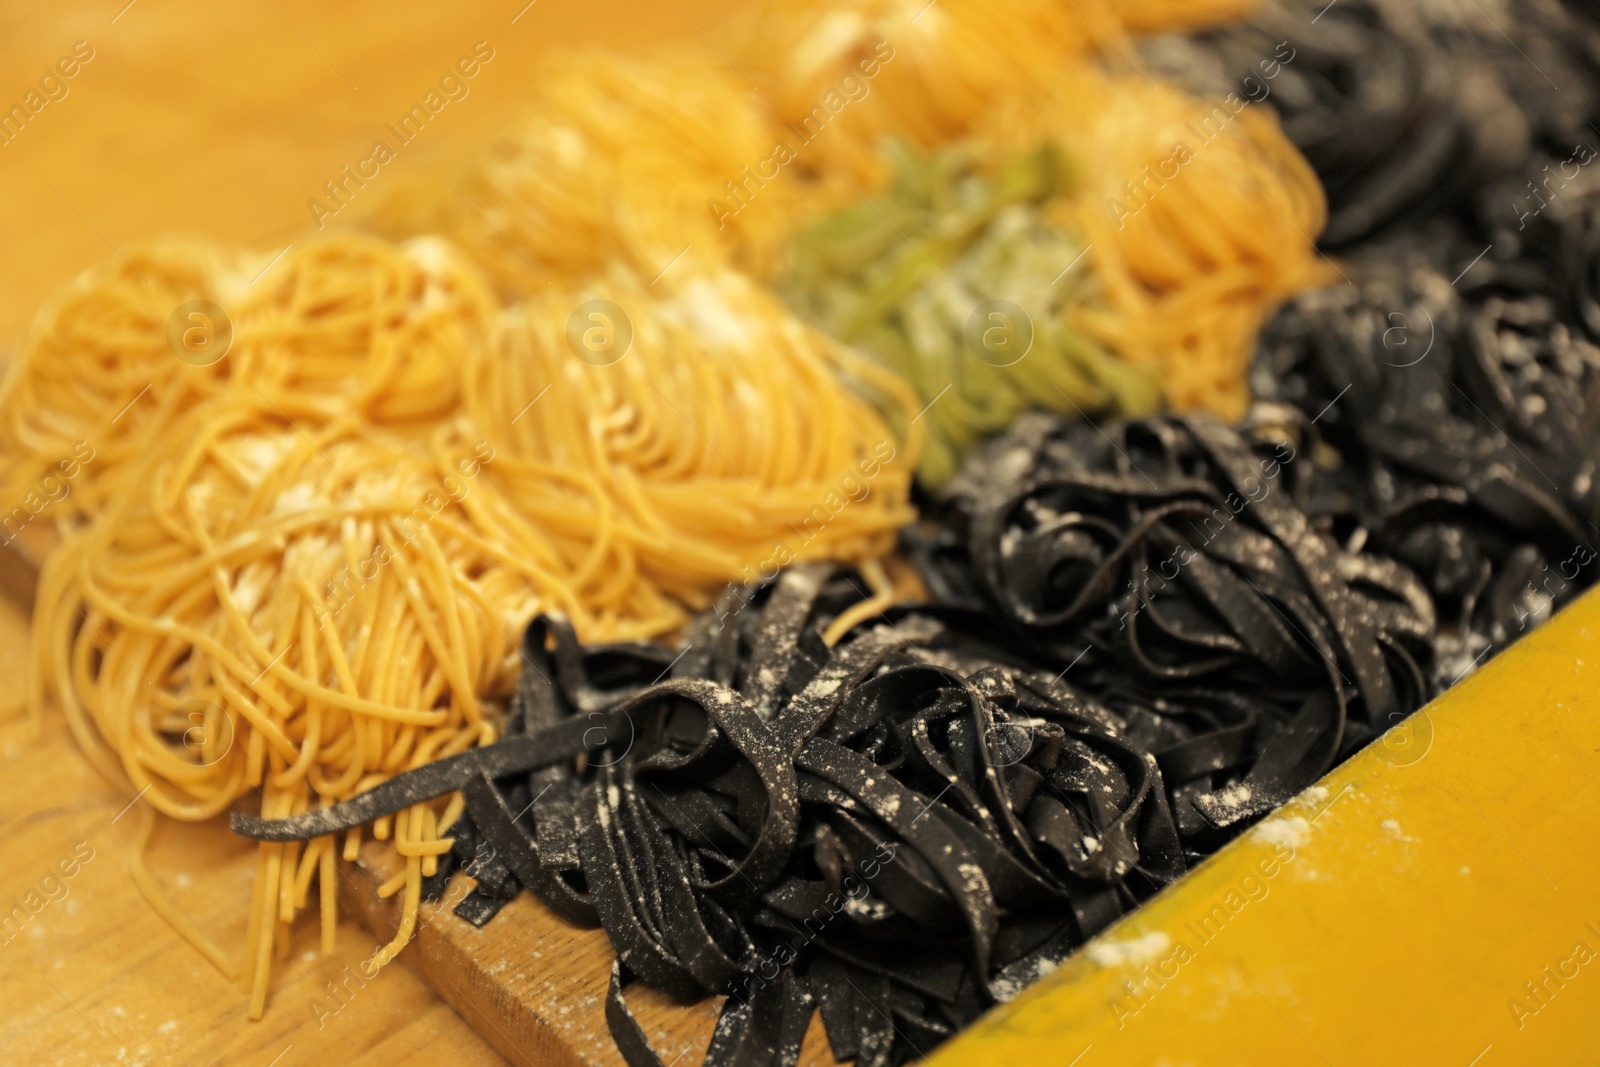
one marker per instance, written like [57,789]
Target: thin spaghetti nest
[121,354]
[698,434]
[289,611]
[617,159]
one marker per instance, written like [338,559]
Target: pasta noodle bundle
[93,354]
[1077,256]
[123,352]
[712,431]
[1200,217]
[290,610]
[846,74]
[618,159]
[955,277]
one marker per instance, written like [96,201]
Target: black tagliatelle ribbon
[1169,567]
[1401,108]
[897,832]
[1466,419]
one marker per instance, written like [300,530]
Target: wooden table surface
[221,121]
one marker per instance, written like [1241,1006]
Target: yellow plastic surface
[1436,900]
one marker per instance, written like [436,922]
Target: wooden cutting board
[534,985]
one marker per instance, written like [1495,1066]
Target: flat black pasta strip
[794,1019]
[837,1006]
[520,851]
[554,744]
[621,886]
[783,619]
[739,725]
[625,1030]
[897,806]
[748,1032]
[478,907]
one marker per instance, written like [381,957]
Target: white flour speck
[1132,952]
[1233,797]
[1292,831]
[1007,989]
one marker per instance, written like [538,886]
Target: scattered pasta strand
[157,898]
